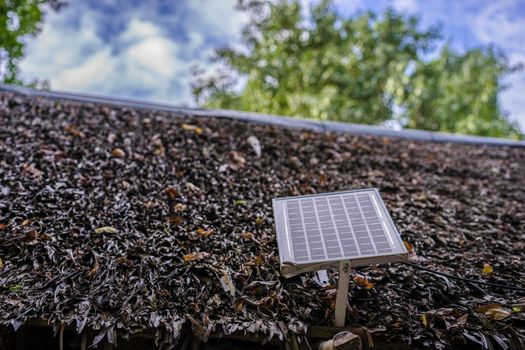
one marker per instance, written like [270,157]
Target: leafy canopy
[18,19]
[364,69]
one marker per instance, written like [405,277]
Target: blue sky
[145,49]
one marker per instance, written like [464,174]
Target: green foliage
[459,93]
[18,19]
[365,69]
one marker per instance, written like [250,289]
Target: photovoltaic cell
[335,226]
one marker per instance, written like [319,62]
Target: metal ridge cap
[289,122]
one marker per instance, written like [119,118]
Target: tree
[19,19]
[365,69]
[459,93]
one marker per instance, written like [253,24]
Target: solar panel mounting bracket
[341,300]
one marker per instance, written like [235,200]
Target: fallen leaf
[409,246]
[179,207]
[238,160]
[487,269]
[227,283]
[31,235]
[238,304]
[122,260]
[192,187]
[376,173]
[160,151]
[424,320]
[73,131]
[118,153]
[363,282]
[194,128]
[256,145]
[419,197]
[462,321]
[93,271]
[204,233]
[247,235]
[259,260]
[495,311]
[32,171]
[171,192]
[106,229]
[195,256]
[2,226]
[322,179]
[1,263]
[175,219]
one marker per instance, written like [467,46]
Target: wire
[504,286]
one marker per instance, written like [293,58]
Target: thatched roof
[119,220]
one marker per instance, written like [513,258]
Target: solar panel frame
[293,265]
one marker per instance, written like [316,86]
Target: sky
[146,49]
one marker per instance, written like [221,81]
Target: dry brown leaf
[179,207]
[175,219]
[160,151]
[238,304]
[93,271]
[122,260]
[1,264]
[106,229]
[31,235]
[73,131]
[227,283]
[171,192]
[259,260]
[363,282]
[192,188]
[462,321]
[247,235]
[376,173]
[409,246]
[32,171]
[194,128]
[495,311]
[237,157]
[118,153]
[3,226]
[204,233]
[195,256]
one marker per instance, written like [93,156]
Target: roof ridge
[289,122]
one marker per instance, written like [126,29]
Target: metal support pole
[341,300]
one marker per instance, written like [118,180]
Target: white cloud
[89,74]
[405,5]
[497,23]
[217,17]
[142,59]
[156,55]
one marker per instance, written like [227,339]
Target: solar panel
[319,230]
